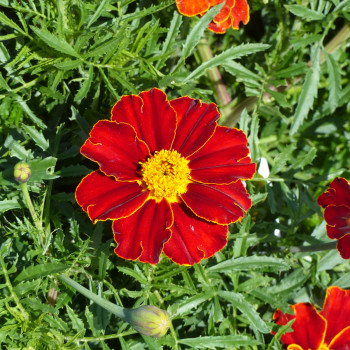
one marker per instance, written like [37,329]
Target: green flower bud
[22,172]
[149,320]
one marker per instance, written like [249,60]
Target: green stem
[114,309]
[101,338]
[10,288]
[214,74]
[37,222]
[313,248]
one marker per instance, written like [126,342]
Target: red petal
[309,328]
[224,14]
[192,8]
[338,193]
[220,28]
[193,239]
[240,13]
[336,310]
[143,234]
[116,149]
[341,341]
[343,247]
[223,159]
[222,204]
[337,218]
[281,318]
[196,124]
[103,197]
[151,115]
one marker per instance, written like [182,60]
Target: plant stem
[37,222]
[313,248]
[114,309]
[10,288]
[214,75]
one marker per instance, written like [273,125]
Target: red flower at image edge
[169,177]
[328,329]
[336,201]
[231,14]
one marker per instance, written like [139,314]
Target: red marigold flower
[169,177]
[327,329]
[232,13]
[336,201]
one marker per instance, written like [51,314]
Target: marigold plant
[169,177]
[319,330]
[232,13]
[336,201]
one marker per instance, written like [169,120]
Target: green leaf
[9,204]
[83,91]
[55,42]
[36,271]
[253,140]
[40,169]
[192,302]
[77,323]
[4,20]
[260,263]
[68,64]
[304,160]
[230,54]
[305,13]
[239,302]
[195,35]
[300,68]
[97,13]
[308,92]
[334,82]
[214,342]
[37,136]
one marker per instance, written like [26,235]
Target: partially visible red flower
[328,329]
[232,13]
[336,201]
[169,177]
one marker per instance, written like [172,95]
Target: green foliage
[65,63]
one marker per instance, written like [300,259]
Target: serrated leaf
[239,302]
[36,136]
[77,323]
[305,13]
[253,140]
[334,82]
[261,263]
[135,274]
[195,35]
[305,40]
[68,64]
[233,53]
[83,91]
[305,159]
[97,12]
[9,204]
[55,42]
[214,342]
[193,302]
[308,92]
[36,271]
[40,169]
[4,20]
[295,69]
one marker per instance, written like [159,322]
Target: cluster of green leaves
[65,63]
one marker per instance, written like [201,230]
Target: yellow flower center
[166,175]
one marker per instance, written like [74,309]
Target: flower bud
[22,172]
[149,320]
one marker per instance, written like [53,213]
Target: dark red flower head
[232,13]
[328,329]
[169,177]
[336,201]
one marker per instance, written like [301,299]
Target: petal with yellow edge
[151,115]
[116,149]
[103,197]
[222,204]
[192,238]
[336,310]
[196,123]
[143,234]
